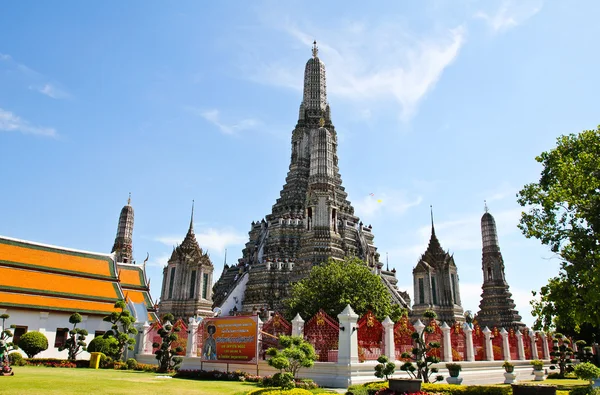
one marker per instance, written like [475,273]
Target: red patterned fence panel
[513,345]
[200,339]
[370,337]
[497,344]
[539,344]
[322,332]
[154,336]
[527,344]
[478,342]
[436,336]
[403,341]
[458,341]
[272,329]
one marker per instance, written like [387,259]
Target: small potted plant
[454,370]
[509,375]
[538,369]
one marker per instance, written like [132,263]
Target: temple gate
[478,342]
[403,341]
[497,344]
[271,330]
[513,345]
[370,337]
[458,342]
[323,332]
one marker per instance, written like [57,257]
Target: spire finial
[387,262]
[315,49]
[129,199]
[225,263]
[485,207]
[192,218]
[432,227]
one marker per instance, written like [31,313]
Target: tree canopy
[335,284]
[564,214]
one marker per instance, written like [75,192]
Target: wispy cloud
[510,14]
[214,116]
[9,122]
[209,239]
[50,90]
[37,81]
[392,202]
[374,62]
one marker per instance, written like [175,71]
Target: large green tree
[335,284]
[564,214]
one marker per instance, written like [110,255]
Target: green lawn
[47,381]
[561,384]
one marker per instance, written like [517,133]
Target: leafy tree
[108,347]
[296,353]
[422,353]
[562,355]
[385,368]
[335,284]
[75,343]
[564,214]
[165,354]
[122,327]
[6,334]
[584,352]
[33,343]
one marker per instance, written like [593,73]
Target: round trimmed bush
[33,343]
[108,347]
[16,359]
[132,364]
[587,371]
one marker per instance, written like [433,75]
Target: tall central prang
[311,221]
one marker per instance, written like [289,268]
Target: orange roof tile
[131,275]
[35,255]
[36,302]
[22,280]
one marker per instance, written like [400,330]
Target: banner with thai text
[230,339]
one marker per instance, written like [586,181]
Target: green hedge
[278,391]
[373,387]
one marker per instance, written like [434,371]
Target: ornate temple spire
[191,229]
[489,234]
[123,246]
[432,226]
[314,101]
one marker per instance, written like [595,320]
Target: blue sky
[442,103]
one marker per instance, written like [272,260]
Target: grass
[49,381]
[561,384]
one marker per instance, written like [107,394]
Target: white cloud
[209,239]
[158,261]
[391,202]
[369,63]
[510,14]
[10,122]
[50,90]
[214,116]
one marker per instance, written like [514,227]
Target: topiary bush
[561,355]
[131,363]
[587,371]
[108,347]
[16,359]
[33,343]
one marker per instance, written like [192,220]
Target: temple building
[42,285]
[436,283]
[310,222]
[497,307]
[187,280]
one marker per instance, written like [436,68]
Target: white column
[505,345]
[520,346]
[489,353]
[447,357]
[388,339]
[298,326]
[348,337]
[545,348]
[192,340]
[469,342]
[534,350]
[146,340]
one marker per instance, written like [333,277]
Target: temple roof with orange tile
[49,278]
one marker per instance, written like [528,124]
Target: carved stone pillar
[489,352]
[348,337]
[388,339]
[298,326]
[534,350]
[447,357]
[545,348]
[505,345]
[469,342]
[520,346]
[192,340]
[146,340]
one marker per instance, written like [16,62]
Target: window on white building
[61,337]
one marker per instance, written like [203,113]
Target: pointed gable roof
[189,249]
[434,256]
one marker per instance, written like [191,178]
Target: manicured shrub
[384,369]
[33,343]
[108,347]
[131,363]
[422,353]
[561,355]
[587,371]
[75,343]
[16,359]
[279,391]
